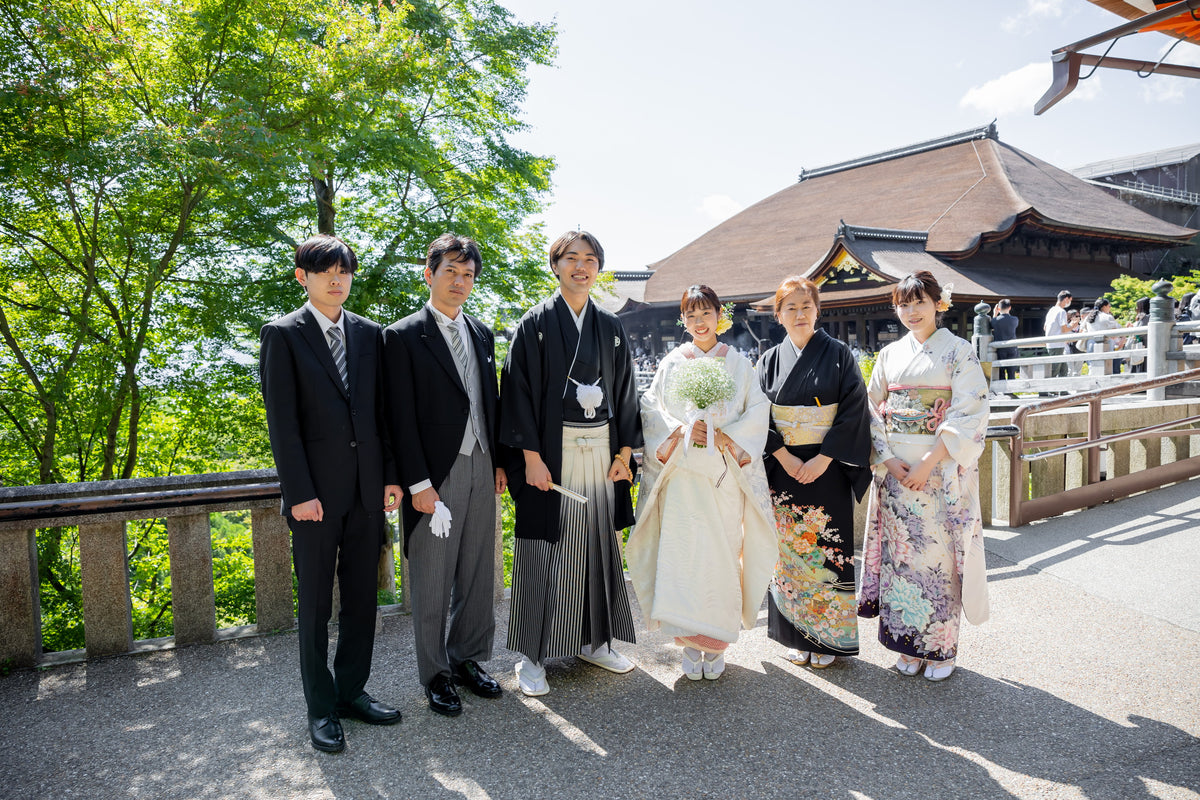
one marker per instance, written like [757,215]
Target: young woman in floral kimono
[923,563]
[818,454]
[702,551]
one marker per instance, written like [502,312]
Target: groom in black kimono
[569,410]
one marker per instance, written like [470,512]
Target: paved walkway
[1083,685]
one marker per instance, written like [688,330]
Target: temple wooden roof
[961,191]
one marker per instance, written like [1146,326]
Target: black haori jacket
[531,408]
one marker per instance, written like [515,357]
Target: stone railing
[101,510]
[1159,347]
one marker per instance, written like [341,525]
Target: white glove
[439,522]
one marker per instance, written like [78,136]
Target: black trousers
[351,542]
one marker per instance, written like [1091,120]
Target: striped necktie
[338,351]
[456,344]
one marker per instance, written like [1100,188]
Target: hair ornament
[947,298]
[725,320]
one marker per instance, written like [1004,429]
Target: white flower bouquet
[701,384]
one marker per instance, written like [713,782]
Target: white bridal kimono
[704,547]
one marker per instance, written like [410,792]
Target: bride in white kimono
[704,547]
[923,559]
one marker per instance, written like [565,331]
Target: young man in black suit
[442,406]
[321,381]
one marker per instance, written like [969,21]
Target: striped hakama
[571,593]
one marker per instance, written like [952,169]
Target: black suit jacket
[325,439]
[428,406]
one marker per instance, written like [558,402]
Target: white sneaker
[797,657]
[606,658]
[714,665]
[532,679]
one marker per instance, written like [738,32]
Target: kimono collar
[578,318]
[719,350]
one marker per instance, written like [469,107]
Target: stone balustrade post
[104,572]
[193,603]
[274,608]
[1158,337]
[20,610]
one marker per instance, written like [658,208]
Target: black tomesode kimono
[818,406]
[568,578]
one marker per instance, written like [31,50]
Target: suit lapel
[355,344]
[310,330]
[431,334]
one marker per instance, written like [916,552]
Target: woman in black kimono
[569,411]
[817,456]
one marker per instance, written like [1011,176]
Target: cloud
[1171,88]
[719,207]
[1017,91]
[1034,10]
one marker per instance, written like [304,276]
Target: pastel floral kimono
[923,560]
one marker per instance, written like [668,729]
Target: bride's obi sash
[800,425]
[915,410]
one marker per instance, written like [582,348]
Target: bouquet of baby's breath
[702,382]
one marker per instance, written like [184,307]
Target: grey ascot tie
[456,344]
[338,351]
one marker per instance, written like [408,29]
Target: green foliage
[1127,290]
[866,365]
[160,161]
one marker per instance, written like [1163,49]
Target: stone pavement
[1082,685]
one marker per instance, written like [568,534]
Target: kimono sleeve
[766,383]
[965,425]
[657,420]
[749,428]
[849,438]
[521,390]
[877,394]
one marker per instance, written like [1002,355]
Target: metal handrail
[1023,511]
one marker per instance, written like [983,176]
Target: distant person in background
[1056,324]
[1100,318]
[1140,319]
[1004,328]
[1188,313]
[1075,346]
[923,557]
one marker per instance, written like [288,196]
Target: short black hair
[460,248]
[323,252]
[1005,303]
[1065,294]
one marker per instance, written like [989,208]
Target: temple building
[980,214]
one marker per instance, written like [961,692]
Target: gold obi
[915,409]
[803,424]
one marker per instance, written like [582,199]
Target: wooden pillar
[272,543]
[104,571]
[20,611]
[193,604]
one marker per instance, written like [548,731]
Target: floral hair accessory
[947,297]
[725,319]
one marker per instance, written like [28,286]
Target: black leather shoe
[326,734]
[472,676]
[442,697]
[369,710]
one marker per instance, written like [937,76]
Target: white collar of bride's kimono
[719,350]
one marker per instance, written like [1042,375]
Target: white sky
[668,116]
